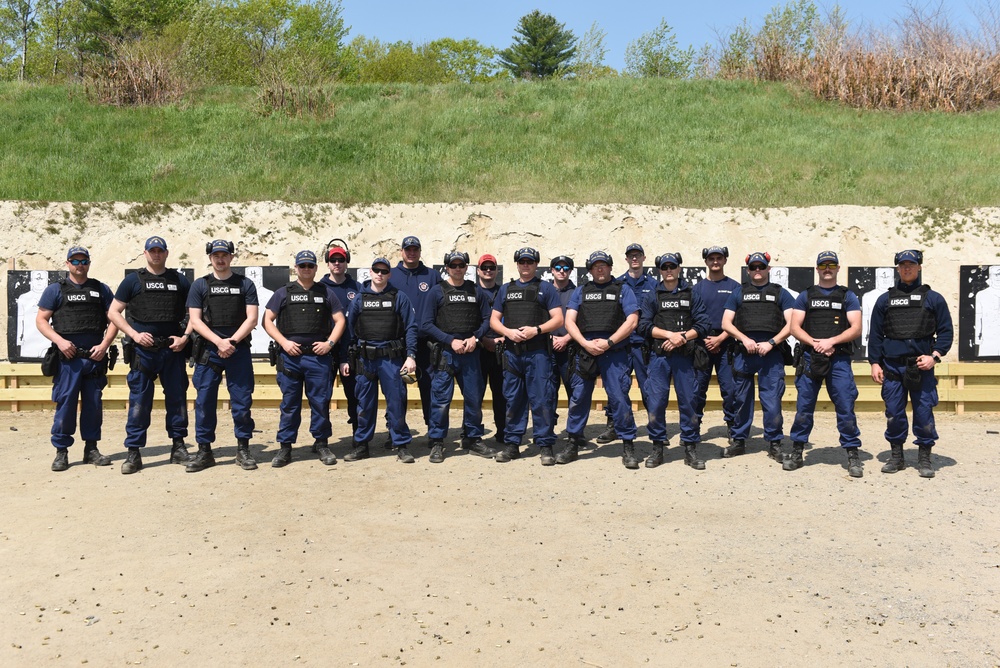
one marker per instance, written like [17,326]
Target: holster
[647,352]
[352,360]
[272,353]
[912,374]
[199,349]
[51,361]
[702,361]
[798,361]
[583,364]
[128,351]
[819,366]
[786,353]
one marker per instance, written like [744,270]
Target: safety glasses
[306,266]
[77,263]
[458,265]
[827,265]
[668,265]
[382,272]
[488,267]
[560,267]
[757,267]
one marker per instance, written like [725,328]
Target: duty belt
[375,352]
[536,343]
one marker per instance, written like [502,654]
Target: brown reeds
[132,77]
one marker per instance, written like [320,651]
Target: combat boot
[629,460]
[243,456]
[509,453]
[729,430]
[404,456]
[357,453]
[896,461]
[656,456]
[738,447]
[854,468]
[61,462]
[284,456]
[437,452]
[570,453]
[325,453]
[793,460]
[91,455]
[179,451]
[609,434]
[132,463]
[475,446]
[691,457]
[545,455]
[202,460]
[924,462]
[774,450]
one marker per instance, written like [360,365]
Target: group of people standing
[522,338]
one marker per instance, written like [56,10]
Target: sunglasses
[459,265]
[827,265]
[306,266]
[488,267]
[77,263]
[757,267]
[337,260]
[526,262]
[561,267]
[383,272]
[668,265]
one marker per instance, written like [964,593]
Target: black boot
[924,462]
[509,453]
[854,468]
[738,447]
[91,455]
[570,453]
[404,456]
[476,446]
[284,456]
[774,450]
[132,463]
[357,453]
[61,462]
[179,451]
[629,460]
[691,457]
[794,459]
[326,455]
[729,431]
[896,462]
[656,455]
[609,434]
[437,452]
[202,460]
[243,456]
[545,455]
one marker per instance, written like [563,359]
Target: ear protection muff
[230,247]
[919,254]
[465,257]
[535,256]
[767,256]
[704,252]
[333,242]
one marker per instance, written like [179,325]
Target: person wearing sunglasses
[346,288]
[525,313]
[383,330]
[757,316]
[826,319]
[457,317]
[911,330]
[601,316]
[306,320]
[73,315]
[487,272]
[157,331]
[562,268]
[673,319]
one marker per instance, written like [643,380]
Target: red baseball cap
[486,258]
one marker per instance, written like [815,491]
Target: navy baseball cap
[305,257]
[456,255]
[762,258]
[410,241]
[909,256]
[599,256]
[562,260]
[156,242]
[381,260]
[721,250]
[77,250]
[526,252]
[220,246]
[672,258]
[827,256]
[634,247]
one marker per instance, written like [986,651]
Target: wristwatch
[539,330]
[937,358]
[771,341]
[332,344]
[611,344]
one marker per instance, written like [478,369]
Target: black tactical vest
[160,298]
[906,317]
[82,310]
[459,313]
[378,319]
[600,307]
[760,310]
[225,304]
[826,316]
[673,309]
[522,306]
[305,311]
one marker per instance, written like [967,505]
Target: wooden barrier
[962,387]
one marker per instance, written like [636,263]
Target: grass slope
[691,144]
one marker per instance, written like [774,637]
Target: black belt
[375,353]
[536,343]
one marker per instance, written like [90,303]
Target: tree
[656,54]
[19,15]
[466,60]
[542,46]
[590,54]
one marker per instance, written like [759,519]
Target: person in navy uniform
[456,319]
[486,272]
[757,316]
[714,290]
[525,314]
[911,330]
[78,309]
[826,319]
[673,318]
[383,330]
[601,316]
[149,309]
[561,267]
[223,309]
[345,288]
[306,320]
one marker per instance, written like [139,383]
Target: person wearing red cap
[487,270]
[346,288]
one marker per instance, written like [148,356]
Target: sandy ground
[475,563]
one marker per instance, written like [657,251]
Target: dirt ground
[471,562]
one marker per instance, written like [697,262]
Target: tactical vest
[673,310]
[522,307]
[760,310]
[459,313]
[160,298]
[225,304]
[82,310]
[906,316]
[305,311]
[600,307]
[378,319]
[826,316]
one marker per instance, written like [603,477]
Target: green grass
[690,144]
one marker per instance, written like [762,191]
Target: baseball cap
[762,258]
[410,241]
[562,259]
[909,256]
[634,247]
[599,256]
[336,250]
[721,250]
[526,253]
[486,258]
[156,242]
[381,260]
[220,246]
[305,257]
[672,258]
[827,256]
[77,250]
[456,255]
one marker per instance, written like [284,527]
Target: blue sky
[493,22]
